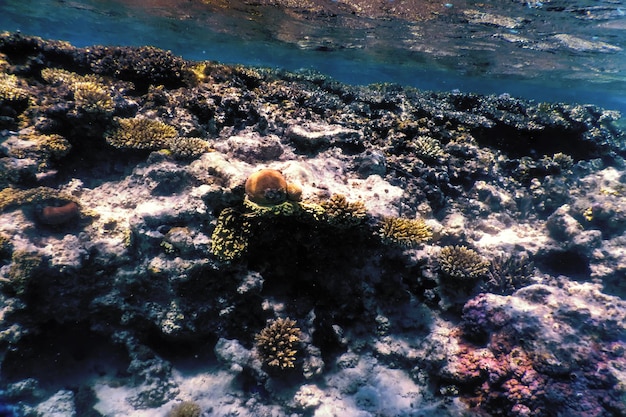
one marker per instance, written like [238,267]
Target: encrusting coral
[462,263]
[405,233]
[277,343]
[140,133]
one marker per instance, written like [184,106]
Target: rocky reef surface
[408,253]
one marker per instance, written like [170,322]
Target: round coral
[266,187]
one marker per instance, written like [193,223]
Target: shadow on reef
[62,356]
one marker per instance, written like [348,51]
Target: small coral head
[266,187]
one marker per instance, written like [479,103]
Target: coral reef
[459,263]
[277,343]
[342,213]
[141,133]
[229,240]
[154,289]
[185,409]
[405,233]
[266,187]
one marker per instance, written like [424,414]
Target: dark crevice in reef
[64,355]
[569,263]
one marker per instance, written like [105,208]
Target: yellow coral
[139,133]
[10,197]
[58,76]
[406,233]
[92,98]
[189,148]
[277,343]
[22,269]
[428,148]
[286,208]
[185,409]
[462,263]
[342,213]
[229,240]
[10,91]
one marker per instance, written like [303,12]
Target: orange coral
[269,187]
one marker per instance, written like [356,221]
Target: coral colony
[186,239]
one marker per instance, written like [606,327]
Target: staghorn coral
[185,409]
[405,233]
[277,343]
[229,240]
[461,263]
[189,148]
[342,213]
[140,133]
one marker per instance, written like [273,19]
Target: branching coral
[92,98]
[141,133]
[185,409]
[405,233]
[508,273]
[229,240]
[342,213]
[189,148]
[11,92]
[58,76]
[277,343]
[462,263]
[428,148]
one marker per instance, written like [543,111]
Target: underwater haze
[571,51]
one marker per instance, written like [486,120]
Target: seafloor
[451,254]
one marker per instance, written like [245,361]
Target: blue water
[203,35]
